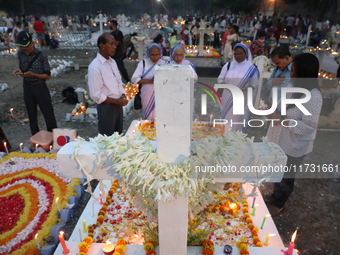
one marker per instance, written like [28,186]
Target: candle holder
[108,248]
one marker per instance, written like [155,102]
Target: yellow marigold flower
[243,246]
[122,247]
[82,244]
[148,247]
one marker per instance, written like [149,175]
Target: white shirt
[9,22]
[222,26]
[298,141]
[104,79]
[217,27]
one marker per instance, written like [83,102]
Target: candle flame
[11,109]
[272,234]
[21,144]
[232,205]
[268,215]
[5,143]
[36,236]
[294,235]
[108,242]
[56,200]
[61,233]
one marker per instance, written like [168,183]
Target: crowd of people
[107,70]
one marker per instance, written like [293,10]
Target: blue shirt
[286,74]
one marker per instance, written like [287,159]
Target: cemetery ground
[314,206]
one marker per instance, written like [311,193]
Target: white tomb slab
[92,208]
[173,127]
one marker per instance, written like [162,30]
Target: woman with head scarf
[144,75]
[242,74]
[297,135]
[177,57]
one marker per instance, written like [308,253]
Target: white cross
[173,97]
[101,19]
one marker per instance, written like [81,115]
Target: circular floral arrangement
[26,197]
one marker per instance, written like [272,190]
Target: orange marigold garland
[208,247]
[254,230]
[120,247]
[149,247]
[85,245]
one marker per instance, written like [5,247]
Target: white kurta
[298,141]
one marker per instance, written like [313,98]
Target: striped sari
[242,75]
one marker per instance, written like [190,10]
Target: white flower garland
[150,180]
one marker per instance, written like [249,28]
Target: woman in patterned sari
[242,74]
[144,75]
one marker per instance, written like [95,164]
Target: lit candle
[254,210]
[267,239]
[21,144]
[36,147]
[252,206]
[84,226]
[108,248]
[37,241]
[50,148]
[264,220]
[291,245]
[56,202]
[62,242]
[11,110]
[101,198]
[5,145]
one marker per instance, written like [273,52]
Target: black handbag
[137,102]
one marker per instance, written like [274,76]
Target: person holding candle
[177,57]
[243,74]
[35,69]
[296,140]
[144,75]
[106,87]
